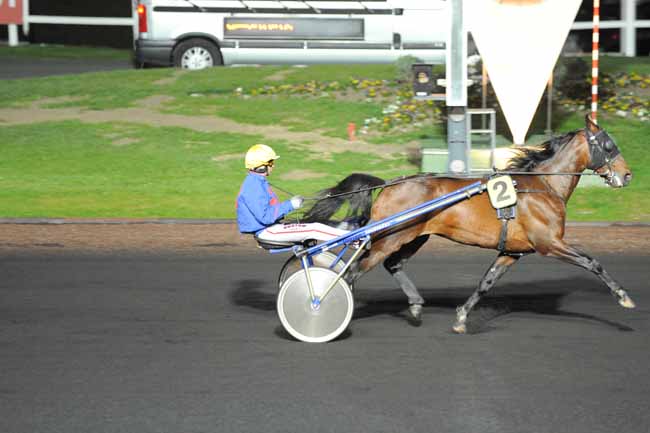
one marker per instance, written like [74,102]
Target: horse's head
[605,157]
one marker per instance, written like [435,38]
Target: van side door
[422,26]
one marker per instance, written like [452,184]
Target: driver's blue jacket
[257,205]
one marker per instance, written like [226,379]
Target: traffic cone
[352,131]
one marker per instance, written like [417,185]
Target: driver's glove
[296,202]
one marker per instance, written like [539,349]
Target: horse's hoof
[415,314]
[460,328]
[626,301]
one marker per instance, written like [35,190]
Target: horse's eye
[609,145]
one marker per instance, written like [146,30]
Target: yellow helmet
[258,155]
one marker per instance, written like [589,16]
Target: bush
[573,80]
[404,66]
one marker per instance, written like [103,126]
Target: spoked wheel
[322,260]
[196,53]
[312,322]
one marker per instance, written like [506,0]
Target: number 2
[501,185]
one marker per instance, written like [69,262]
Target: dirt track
[224,238]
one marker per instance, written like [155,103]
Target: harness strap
[505,214]
[503,235]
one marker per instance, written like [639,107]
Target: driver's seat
[272,245]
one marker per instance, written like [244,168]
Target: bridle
[602,152]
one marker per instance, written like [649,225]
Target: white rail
[84,21]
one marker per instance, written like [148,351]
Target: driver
[259,210]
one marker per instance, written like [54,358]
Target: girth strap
[503,235]
[505,214]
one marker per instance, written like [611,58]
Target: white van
[196,34]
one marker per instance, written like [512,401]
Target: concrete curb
[135,221]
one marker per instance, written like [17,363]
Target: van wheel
[197,54]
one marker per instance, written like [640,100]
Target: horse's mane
[528,158]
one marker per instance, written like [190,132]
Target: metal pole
[13,35]
[26,17]
[549,107]
[305,266]
[484,81]
[594,61]
[456,82]
[134,15]
[628,29]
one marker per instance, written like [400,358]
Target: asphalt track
[176,343]
[13,68]
[166,342]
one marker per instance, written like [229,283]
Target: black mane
[528,158]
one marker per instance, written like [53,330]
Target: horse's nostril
[627,178]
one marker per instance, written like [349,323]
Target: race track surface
[14,68]
[165,342]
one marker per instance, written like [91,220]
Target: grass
[613,64]
[299,114]
[75,169]
[631,203]
[72,169]
[96,91]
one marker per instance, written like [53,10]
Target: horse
[545,177]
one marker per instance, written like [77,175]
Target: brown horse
[549,174]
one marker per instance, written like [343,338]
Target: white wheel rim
[196,58]
[315,326]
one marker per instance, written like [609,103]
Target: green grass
[631,203]
[120,89]
[97,91]
[614,64]
[74,169]
[71,169]
[299,114]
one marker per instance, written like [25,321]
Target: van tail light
[142,18]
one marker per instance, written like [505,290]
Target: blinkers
[602,149]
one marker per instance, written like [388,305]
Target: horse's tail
[356,190]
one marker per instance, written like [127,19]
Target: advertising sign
[292,28]
[11,11]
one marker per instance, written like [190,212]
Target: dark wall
[109,8]
[106,36]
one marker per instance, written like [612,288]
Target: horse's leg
[498,268]
[380,250]
[394,265]
[569,254]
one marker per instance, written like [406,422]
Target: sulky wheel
[322,260]
[309,322]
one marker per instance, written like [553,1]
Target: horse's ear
[591,124]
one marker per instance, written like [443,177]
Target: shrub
[404,67]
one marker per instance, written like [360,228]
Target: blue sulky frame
[364,234]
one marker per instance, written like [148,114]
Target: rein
[602,153]
[404,179]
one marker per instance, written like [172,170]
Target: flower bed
[400,108]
